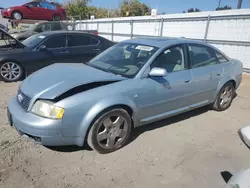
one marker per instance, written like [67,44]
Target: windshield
[33,41]
[125,59]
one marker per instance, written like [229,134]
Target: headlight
[8,9]
[47,109]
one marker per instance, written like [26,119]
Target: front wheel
[11,71]
[17,15]
[110,131]
[225,97]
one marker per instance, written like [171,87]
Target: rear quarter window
[220,57]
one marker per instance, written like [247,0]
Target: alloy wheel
[226,96]
[112,131]
[10,71]
[17,16]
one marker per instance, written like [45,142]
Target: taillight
[96,33]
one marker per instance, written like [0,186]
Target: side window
[55,26]
[56,42]
[47,6]
[172,59]
[79,40]
[220,57]
[201,55]
[43,27]
[33,4]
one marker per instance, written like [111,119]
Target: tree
[103,12]
[193,10]
[134,8]
[223,8]
[77,8]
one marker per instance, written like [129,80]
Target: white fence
[228,30]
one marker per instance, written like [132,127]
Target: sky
[167,6]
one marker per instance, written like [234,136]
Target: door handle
[65,52]
[97,49]
[187,81]
[218,74]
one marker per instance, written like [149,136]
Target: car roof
[49,33]
[162,41]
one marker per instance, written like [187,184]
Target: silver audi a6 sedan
[133,83]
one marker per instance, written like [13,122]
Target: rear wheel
[225,97]
[110,131]
[56,17]
[11,71]
[17,15]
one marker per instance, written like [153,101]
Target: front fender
[100,106]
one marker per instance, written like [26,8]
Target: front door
[55,52]
[83,47]
[165,96]
[32,10]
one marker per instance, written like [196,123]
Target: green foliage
[77,9]
[224,8]
[103,12]
[134,8]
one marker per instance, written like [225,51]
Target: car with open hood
[20,59]
[133,83]
[36,28]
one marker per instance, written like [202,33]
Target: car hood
[54,80]
[8,35]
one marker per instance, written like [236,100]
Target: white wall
[230,29]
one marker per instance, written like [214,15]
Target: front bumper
[5,14]
[41,130]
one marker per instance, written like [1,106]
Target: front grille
[23,100]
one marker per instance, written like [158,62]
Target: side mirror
[42,48]
[158,72]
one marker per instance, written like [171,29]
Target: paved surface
[190,150]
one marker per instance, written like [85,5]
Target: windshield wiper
[99,68]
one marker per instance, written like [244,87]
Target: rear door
[206,73]
[48,10]
[83,47]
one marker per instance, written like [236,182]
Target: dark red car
[35,11]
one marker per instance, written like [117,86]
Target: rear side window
[201,55]
[47,6]
[81,40]
[58,41]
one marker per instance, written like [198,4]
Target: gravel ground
[190,150]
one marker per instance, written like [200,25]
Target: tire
[11,71]
[16,15]
[56,17]
[227,94]
[115,127]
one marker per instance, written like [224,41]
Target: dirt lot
[186,151]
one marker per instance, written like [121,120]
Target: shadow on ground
[140,130]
